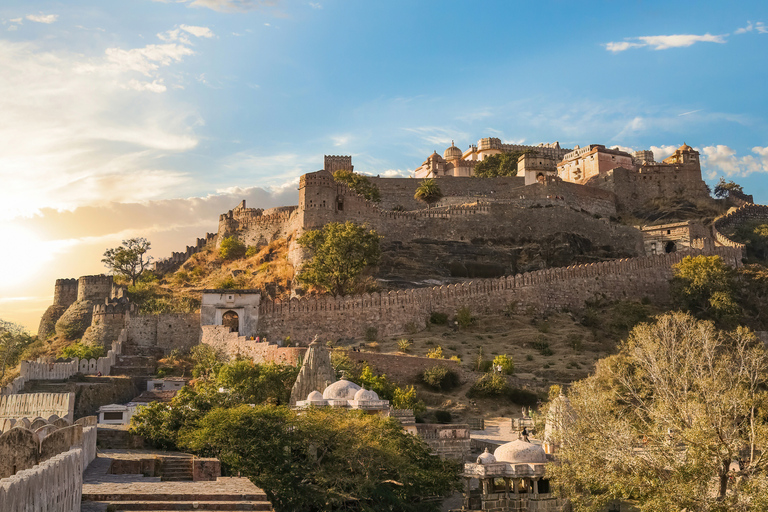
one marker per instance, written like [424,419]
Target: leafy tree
[258,384]
[128,260]
[705,286]
[662,422]
[82,351]
[340,255]
[232,249]
[724,188]
[428,191]
[359,184]
[755,236]
[502,164]
[405,398]
[13,340]
[206,361]
[326,459]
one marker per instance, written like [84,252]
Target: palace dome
[366,394]
[452,152]
[520,452]
[486,458]
[315,396]
[685,147]
[435,156]
[341,390]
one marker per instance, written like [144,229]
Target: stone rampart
[233,345]
[177,258]
[53,486]
[166,331]
[550,289]
[32,405]
[747,213]
[447,441]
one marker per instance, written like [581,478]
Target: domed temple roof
[486,458]
[341,390]
[520,452]
[452,152]
[366,394]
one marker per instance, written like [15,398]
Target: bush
[522,396]
[443,416]
[404,345]
[405,398]
[464,317]
[371,333]
[228,283]
[489,385]
[542,345]
[231,249]
[82,351]
[440,378]
[251,251]
[438,318]
[455,358]
[554,391]
[529,357]
[435,353]
[504,362]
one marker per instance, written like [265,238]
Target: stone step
[190,505]
[127,497]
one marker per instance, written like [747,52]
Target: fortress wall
[550,289]
[168,331]
[33,405]
[53,486]
[260,230]
[229,343]
[65,292]
[747,213]
[177,258]
[635,189]
[94,288]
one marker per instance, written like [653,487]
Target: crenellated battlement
[65,292]
[94,287]
[113,309]
[177,258]
[747,212]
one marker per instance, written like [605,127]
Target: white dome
[486,458]
[520,452]
[341,390]
[366,394]
[314,396]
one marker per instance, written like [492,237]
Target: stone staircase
[177,469]
[197,502]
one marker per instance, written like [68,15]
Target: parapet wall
[551,289]
[233,345]
[95,288]
[65,292]
[177,258]
[746,213]
[53,486]
[33,405]
[167,331]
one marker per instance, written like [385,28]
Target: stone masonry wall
[747,213]
[167,331]
[38,404]
[551,289]
[53,486]
[233,345]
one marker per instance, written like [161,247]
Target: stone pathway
[140,493]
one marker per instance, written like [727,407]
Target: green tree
[326,459]
[130,259]
[341,253]
[13,340]
[662,422]
[232,249]
[705,286]
[428,191]
[206,361]
[755,236]
[359,184]
[502,164]
[82,351]
[504,363]
[724,188]
[258,383]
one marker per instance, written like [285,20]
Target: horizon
[151,118]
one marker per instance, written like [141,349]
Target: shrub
[435,353]
[480,364]
[542,345]
[374,346]
[82,351]
[405,398]
[251,251]
[522,396]
[504,362]
[529,357]
[489,385]
[438,318]
[231,249]
[554,391]
[443,416]
[440,378]
[371,333]
[228,283]
[455,358]
[404,345]
[464,317]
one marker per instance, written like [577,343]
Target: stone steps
[148,505]
[160,497]
[177,469]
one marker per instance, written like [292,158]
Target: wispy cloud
[43,18]
[226,5]
[664,42]
[181,32]
[759,27]
[315,5]
[688,113]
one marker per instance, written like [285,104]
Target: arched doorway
[231,320]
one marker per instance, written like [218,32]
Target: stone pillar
[467,491]
[536,487]
[515,486]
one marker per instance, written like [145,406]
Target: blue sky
[148,118]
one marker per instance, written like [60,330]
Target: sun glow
[24,255]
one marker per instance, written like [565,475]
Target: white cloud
[759,26]
[662,152]
[722,159]
[315,5]
[43,18]
[180,33]
[663,42]
[16,20]
[13,27]
[148,59]
[226,5]
[197,31]
[86,131]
